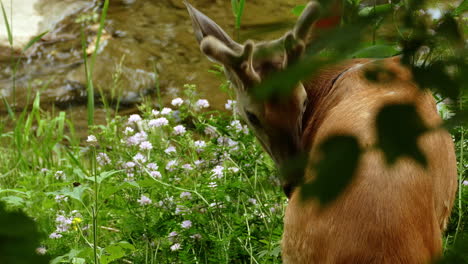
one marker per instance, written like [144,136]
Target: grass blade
[8,107]
[34,40]
[7,25]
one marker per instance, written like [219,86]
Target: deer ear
[203,27]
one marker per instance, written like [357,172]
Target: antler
[294,41]
[241,63]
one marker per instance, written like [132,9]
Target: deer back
[388,214]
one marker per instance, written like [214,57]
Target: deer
[387,214]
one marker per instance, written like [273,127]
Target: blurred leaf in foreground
[457,253]
[398,129]
[462,8]
[19,238]
[335,169]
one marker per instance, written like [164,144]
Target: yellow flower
[75,222]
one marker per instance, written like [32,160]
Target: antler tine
[247,64]
[294,41]
[304,23]
[293,47]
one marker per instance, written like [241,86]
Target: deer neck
[323,95]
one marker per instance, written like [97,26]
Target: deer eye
[253,119]
[306,101]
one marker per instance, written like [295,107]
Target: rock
[32,17]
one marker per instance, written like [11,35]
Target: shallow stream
[146,44]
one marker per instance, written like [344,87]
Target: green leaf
[459,119]
[14,201]
[297,10]
[19,238]
[110,190]
[103,176]
[115,251]
[437,76]
[335,170]
[234,6]
[7,25]
[398,129]
[70,256]
[34,40]
[132,184]
[457,252]
[448,29]
[375,10]
[376,51]
[74,193]
[462,8]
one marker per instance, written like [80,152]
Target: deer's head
[276,121]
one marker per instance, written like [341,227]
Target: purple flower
[158,122]
[218,171]
[200,145]
[144,200]
[186,224]
[230,104]
[59,175]
[137,138]
[187,167]
[202,103]
[236,126]
[152,166]
[177,102]
[103,159]
[170,149]
[41,250]
[139,158]
[134,119]
[186,195]
[210,131]
[55,235]
[129,165]
[146,145]
[171,164]
[196,236]
[179,130]
[176,247]
[166,111]
[92,140]
[61,198]
[128,130]
[156,174]
[253,201]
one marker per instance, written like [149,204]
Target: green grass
[231,198]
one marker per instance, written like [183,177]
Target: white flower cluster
[137,139]
[202,103]
[177,102]
[102,159]
[158,122]
[63,223]
[144,200]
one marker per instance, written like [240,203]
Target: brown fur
[388,214]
